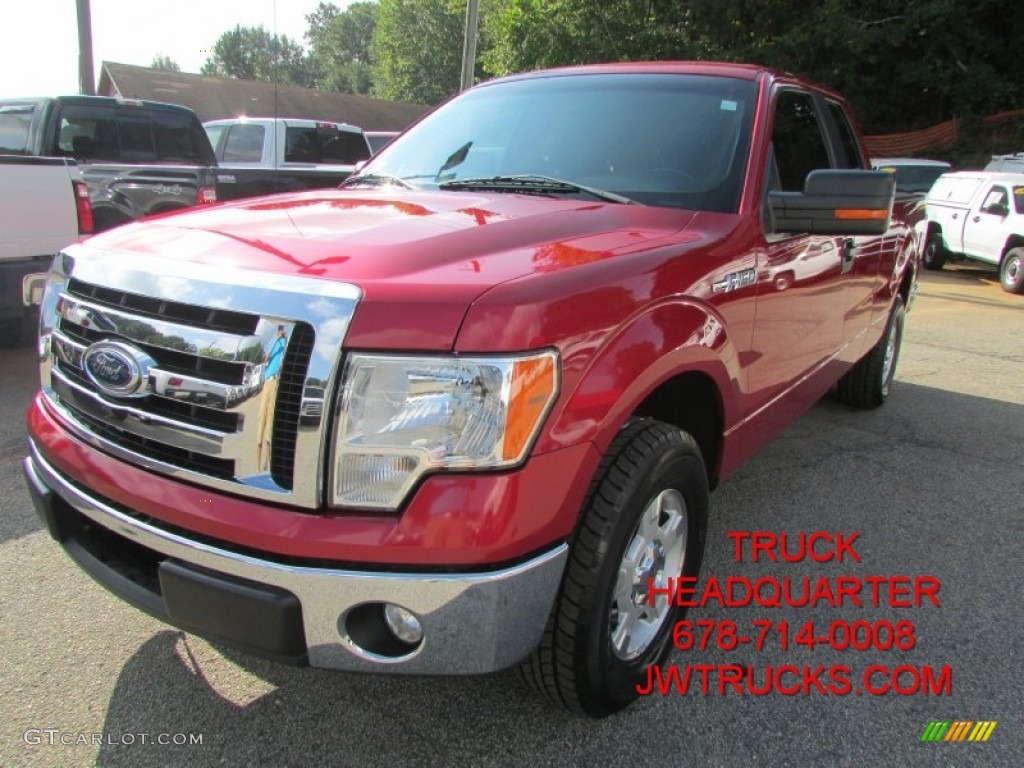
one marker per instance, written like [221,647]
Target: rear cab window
[134,134]
[325,144]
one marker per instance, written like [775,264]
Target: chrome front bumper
[472,622]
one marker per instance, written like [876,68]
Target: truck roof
[307,121]
[706,68]
[87,101]
[746,71]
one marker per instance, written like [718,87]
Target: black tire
[935,253]
[867,383]
[1011,271]
[652,468]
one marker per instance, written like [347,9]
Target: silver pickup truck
[264,155]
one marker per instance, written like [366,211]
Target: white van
[978,215]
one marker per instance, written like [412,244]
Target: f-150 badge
[735,280]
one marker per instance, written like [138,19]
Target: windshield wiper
[533,184]
[377,180]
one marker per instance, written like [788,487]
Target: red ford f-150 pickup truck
[538,328]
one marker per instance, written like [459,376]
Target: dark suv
[138,157]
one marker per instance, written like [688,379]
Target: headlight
[403,416]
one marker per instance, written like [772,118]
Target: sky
[39,38]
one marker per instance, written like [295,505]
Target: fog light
[403,624]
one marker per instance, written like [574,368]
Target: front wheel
[642,526]
[1011,271]
[935,254]
[867,383]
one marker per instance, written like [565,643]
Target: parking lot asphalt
[931,483]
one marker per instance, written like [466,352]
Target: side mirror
[835,202]
[998,209]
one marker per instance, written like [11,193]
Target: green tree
[417,49]
[165,63]
[904,64]
[528,34]
[340,46]
[252,53]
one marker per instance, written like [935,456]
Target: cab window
[88,133]
[797,139]
[997,202]
[15,121]
[244,144]
[851,157]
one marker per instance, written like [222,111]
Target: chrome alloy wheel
[655,553]
[1012,270]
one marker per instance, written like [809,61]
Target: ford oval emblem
[117,369]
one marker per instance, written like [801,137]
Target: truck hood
[424,256]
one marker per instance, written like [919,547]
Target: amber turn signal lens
[861,214]
[533,385]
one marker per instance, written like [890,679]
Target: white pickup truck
[978,215]
[44,206]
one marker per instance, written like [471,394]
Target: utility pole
[85,73]
[469,43]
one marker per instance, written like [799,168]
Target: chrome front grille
[180,369]
[210,318]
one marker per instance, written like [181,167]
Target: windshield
[667,140]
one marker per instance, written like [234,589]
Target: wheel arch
[166,208]
[906,287]
[1013,241]
[692,402]
[908,265]
[675,364]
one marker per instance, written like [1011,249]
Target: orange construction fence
[941,136]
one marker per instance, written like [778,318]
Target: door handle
[976,219]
